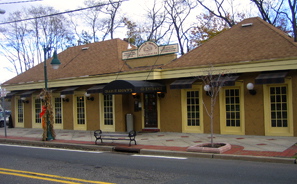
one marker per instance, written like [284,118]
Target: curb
[255,158]
[219,156]
[57,145]
[174,153]
[149,151]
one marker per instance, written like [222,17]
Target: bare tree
[133,32]
[281,14]
[24,41]
[50,32]
[178,12]
[213,81]
[221,9]
[14,44]
[111,22]
[103,18]
[292,17]
[206,27]
[269,10]
[156,27]
[92,18]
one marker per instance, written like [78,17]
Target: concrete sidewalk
[260,148]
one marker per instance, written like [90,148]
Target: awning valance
[68,91]
[96,89]
[183,83]
[228,80]
[27,93]
[132,86]
[11,94]
[271,77]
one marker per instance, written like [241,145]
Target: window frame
[237,130]
[278,131]
[184,105]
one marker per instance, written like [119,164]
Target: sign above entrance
[131,86]
[150,49]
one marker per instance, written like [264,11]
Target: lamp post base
[49,132]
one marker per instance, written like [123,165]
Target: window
[58,111]
[278,106]
[80,110]
[108,110]
[20,111]
[193,118]
[232,102]
[38,106]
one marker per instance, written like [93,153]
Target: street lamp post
[55,64]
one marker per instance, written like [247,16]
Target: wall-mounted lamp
[24,100]
[135,95]
[41,98]
[207,88]
[89,97]
[250,87]
[161,94]
[64,98]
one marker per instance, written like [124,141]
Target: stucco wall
[28,114]
[68,113]
[206,117]
[119,111]
[294,99]
[253,106]
[92,111]
[170,110]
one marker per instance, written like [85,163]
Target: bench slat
[115,135]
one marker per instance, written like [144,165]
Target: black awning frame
[273,77]
[183,83]
[228,80]
[96,89]
[11,94]
[27,93]
[69,91]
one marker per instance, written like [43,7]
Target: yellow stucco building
[98,84]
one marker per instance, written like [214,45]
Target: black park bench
[115,136]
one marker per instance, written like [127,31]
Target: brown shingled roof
[257,41]
[100,58]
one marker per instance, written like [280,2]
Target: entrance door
[107,113]
[278,109]
[150,110]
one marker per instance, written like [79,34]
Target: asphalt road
[19,164]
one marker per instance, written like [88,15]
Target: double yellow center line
[47,177]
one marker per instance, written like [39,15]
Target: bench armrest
[97,133]
[132,133]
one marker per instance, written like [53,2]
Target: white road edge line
[58,149]
[159,156]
